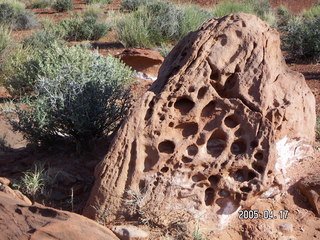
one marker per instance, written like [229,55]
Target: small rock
[4,181]
[286,228]
[129,232]
[310,188]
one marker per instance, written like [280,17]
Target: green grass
[5,38]
[93,10]
[225,8]
[98,1]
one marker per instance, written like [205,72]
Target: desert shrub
[82,95]
[132,5]
[5,37]
[133,30]
[193,17]
[159,23]
[226,7]
[283,18]
[14,13]
[93,11]
[313,12]
[10,61]
[261,8]
[39,4]
[62,5]
[98,1]
[303,38]
[78,29]
[42,39]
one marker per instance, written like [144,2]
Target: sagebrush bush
[303,38]
[227,7]
[261,8]
[11,61]
[62,5]
[83,96]
[5,37]
[283,18]
[93,11]
[39,4]
[132,5]
[159,23]
[98,1]
[87,28]
[312,12]
[14,13]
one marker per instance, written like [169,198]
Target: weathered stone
[310,187]
[129,232]
[24,222]
[286,227]
[203,140]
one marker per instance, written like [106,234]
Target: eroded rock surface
[202,142]
[19,221]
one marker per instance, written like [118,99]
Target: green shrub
[133,30]
[283,18]
[14,14]
[313,12]
[81,95]
[78,29]
[39,4]
[303,38]
[93,11]
[132,5]
[12,60]
[193,18]
[98,1]
[261,8]
[225,8]
[5,37]
[62,5]
[159,23]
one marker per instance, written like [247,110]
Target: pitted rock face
[202,141]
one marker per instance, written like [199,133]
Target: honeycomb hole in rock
[166,146]
[148,114]
[191,89]
[209,196]
[254,144]
[214,179]
[151,158]
[186,159]
[224,193]
[217,143]
[162,117]
[192,150]
[258,156]
[231,121]
[231,82]
[215,74]
[164,169]
[202,92]
[246,189]
[188,129]
[170,104]
[259,168]
[184,105]
[239,146]
[244,175]
[208,110]
[198,177]
[201,139]
[171,124]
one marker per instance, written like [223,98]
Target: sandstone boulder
[19,221]
[204,140]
